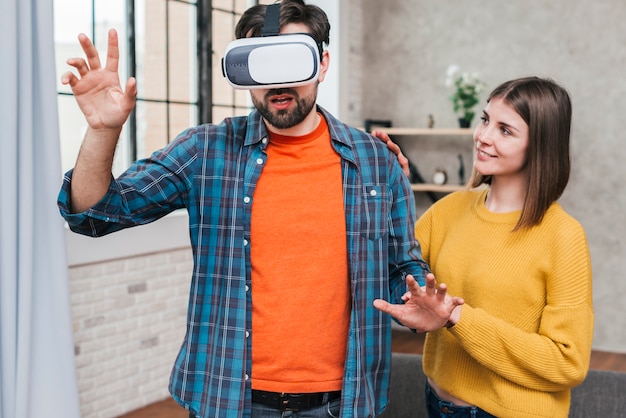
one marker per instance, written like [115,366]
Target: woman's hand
[395,148]
[425,309]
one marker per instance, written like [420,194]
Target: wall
[340,92]
[129,321]
[410,44]
[351,61]
[129,294]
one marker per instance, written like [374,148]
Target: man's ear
[324,65]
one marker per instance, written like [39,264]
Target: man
[297,224]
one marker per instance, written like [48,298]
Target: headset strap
[271,26]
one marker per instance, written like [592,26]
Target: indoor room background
[408,45]
[389,61]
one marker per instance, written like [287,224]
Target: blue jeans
[328,410]
[438,408]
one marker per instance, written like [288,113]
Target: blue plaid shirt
[212,171]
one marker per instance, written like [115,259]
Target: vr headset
[272,60]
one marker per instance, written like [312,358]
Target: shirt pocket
[373,223]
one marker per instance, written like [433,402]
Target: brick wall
[129,321]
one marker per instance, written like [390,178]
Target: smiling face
[501,140]
[290,110]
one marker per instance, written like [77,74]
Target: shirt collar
[256,130]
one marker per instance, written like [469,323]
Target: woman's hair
[546,108]
[291,11]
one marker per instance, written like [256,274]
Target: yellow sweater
[524,337]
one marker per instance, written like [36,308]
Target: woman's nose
[484,135]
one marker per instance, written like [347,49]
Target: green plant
[467,87]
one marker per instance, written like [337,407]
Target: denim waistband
[450,410]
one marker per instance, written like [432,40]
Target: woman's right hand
[395,148]
[427,309]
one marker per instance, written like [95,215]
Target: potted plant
[466,88]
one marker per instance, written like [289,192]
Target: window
[193,95]
[179,84]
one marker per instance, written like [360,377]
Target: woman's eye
[506,131]
[483,119]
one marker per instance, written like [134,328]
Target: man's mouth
[280,99]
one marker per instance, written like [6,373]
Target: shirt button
[247,288]
[246,376]
[247,334]
[264,140]
[245,242]
[373,193]
[259,161]
[246,199]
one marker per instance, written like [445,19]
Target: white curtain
[37,372]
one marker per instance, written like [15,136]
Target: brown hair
[291,11]
[546,108]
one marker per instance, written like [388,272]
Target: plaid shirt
[212,171]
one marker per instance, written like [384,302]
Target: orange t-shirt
[300,287]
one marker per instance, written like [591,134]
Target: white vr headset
[269,62]
[272,60]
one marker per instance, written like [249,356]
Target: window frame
[132,242]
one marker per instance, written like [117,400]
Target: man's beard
[288,118]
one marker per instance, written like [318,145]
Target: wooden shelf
[427,131]
[443,188]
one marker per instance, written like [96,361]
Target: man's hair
[546,108]
[291,11]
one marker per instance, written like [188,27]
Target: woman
[518,336]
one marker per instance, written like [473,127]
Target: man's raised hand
[97,89]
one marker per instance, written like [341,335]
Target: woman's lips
[484,155]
